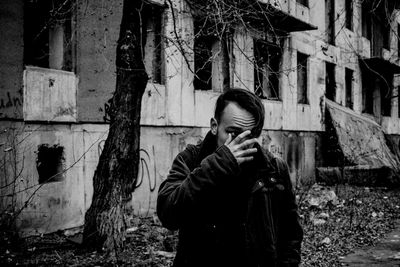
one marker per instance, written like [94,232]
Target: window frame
[47,42]
[303,64]
[270,75]
[349,88]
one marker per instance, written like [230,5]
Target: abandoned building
[329,67]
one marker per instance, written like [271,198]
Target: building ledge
[286,22]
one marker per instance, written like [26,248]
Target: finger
[244,159]
[241,136]
[229,139]
[246,152]
[247,143]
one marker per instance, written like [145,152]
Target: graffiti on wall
[107,111]
[147,167]
[9,101]
[146,173]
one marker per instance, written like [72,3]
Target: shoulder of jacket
[276,161]
[193,150]
[189,155]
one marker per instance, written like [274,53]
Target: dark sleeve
[184,190]
[290,230]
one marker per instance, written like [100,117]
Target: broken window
[211,59]
[330,21]
[386,95]
[203,62]
[330,82]
[349,87]
[267,57]
[48,37]
[302,94]
[349,14]
[50,163]
[153,54]
[303,2]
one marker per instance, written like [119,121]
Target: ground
[337,221]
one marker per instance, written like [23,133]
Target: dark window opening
[330,81]
[153,54]
[303,2]
[349,88]
[203,62]
[48,34]
[386,95]
[330,21]
[267,66]
[349,14]
[386,34]
[50,163]
[367,93]
[366,20]
[302,94]
[398,101]
[398,40]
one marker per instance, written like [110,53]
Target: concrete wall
[97,34]
[11,56]
[61,205]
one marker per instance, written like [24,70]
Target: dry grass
[362,216]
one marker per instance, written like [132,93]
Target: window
[211,59]
[368,92]
[398,101]
[366,20]
[302,94]
[303,2]
[386,34]
[50,163]
[203,62]
[398,40]
[330,21]
[349,14]
[153,56]
[386,95]
[330,82]
[349,88]
[48,38]
[267,65]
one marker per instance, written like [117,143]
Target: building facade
[58,73]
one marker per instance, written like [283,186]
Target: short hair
[246,100]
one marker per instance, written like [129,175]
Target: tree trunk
[115,177]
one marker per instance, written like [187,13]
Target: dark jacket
[230,215]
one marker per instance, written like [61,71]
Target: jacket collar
[208,146]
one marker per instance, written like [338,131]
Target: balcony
[49,95]
[279,16]
[288,15]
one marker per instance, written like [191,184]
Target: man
[231,201]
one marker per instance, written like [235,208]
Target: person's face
[234,120]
